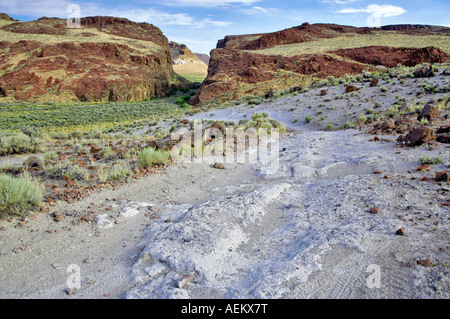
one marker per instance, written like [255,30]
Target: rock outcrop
[107,59]
[258,63]
[186,63]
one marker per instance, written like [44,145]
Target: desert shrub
[383,89]
[150,157]
[308,119]
[31,131]
[19,194]
[393,111]
[17,143]
[349,125]
[254,101]
[332,80]
[58,170]
[118,172]
[77,172]
[160,133]
[108,153]
[51,156]
[434,160]
[262,120]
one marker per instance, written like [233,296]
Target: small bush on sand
[19,194]
[432,161]
[17,143]
[119,172]
[149,157]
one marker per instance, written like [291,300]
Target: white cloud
[255,10]
[58,8]
[339,1]
[377,10]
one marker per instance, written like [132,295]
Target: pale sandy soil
[302,230]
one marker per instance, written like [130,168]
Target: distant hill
[203,57]
[186,63]
[257,63]
[107,59]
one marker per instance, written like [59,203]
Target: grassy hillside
[349,41]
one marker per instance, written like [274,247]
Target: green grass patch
[19,194]
[431,161]
[150,157]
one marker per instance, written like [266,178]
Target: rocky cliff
[254,64]
[107,59]
[186,63]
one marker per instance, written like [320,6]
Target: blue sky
[200,23]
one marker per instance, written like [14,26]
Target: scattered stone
[425,262]
[400,231]
[51,231]
[428,112]
[70,291]
[374,210]
[374,82]
[419,136]
[350,88]
[442,176]
[323,92]
[57,266]
[424,72]
[443,130]
[387,125]
[423,167]
[443,139]
[103,221]
[90,260]
[58,216]
[88,218]
[183,281]
[33,162]
[95,149]
[377,172]
[269,94]
[387,176]
[219,166]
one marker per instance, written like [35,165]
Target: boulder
[442,176]
[269,94]
[443,139]
[387,125]
[428,112]
[374,82]
[33,162]
[424,72]
[419,136]
[350,88]
[443,130]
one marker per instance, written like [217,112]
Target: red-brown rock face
[243,65]
[108,59]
